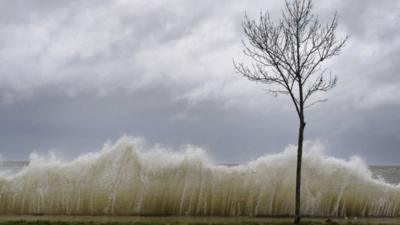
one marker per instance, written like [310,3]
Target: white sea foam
[129,178]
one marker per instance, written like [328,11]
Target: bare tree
[287,56]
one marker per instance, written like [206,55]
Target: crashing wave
[128,178]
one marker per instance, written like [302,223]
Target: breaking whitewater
[128,178]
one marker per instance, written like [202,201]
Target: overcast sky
[74,74]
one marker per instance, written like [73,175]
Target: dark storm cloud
[76,74]
[68,126]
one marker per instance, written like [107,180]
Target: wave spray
[128,179]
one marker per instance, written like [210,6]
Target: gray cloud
[75,74]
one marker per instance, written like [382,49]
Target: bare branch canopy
[289,53]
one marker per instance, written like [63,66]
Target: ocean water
[130,178]
[12,167]
[390,174]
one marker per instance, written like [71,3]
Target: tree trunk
[298,170]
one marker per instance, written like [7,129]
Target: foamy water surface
[128,178]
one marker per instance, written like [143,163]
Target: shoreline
[191,219]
